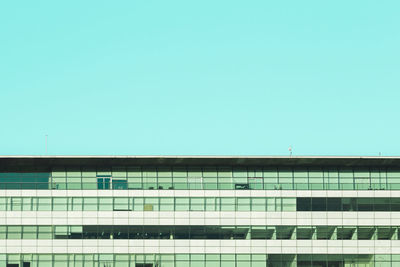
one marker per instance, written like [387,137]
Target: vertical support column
[248,235]
[355,234]
[334,234]
[294,262]
[375,234]
[395,234]
[294,234]
[314,233]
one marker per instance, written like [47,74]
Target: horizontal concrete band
[203,246]
[198,218]
[200,193]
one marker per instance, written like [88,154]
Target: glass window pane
[3,204]
[77,203]
[45,232]
[243,204]
[288,204]
[167,204]
[182,204]
[258,204]
[44,203]
[105,203]
[14,232]
[3,232]
[121,203]
[138,204]
[60,203]
[197,204]
[151,204]
[27,203]
[16,203]
[227,204]
[89,204]
[211,204]
[29,232]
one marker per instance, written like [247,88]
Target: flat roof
[44,163]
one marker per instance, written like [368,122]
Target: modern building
[165,211]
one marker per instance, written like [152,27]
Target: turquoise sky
[200,77]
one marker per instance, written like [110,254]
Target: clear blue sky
[200,77]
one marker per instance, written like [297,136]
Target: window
[167,204]
[77,203]
[195,183]
[90,204]
[119,184]
[45,232]
[258,204]
[365,204]
[26,203]
[138,204]
[288,204]
[271,204]
[60,204]
[105,203]
[334,204]
[14,232]
[256,182]
[211,204]
[228,204]
[121,203]
[197,204]
[3,204]
[182,204]
[60,232]
[44,203]
[103,182]
[243,204]
[318,204]
[16,203]
[151,204]
[76,232]
[303,204]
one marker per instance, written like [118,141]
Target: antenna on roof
[290,150]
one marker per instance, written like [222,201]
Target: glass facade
[147,204]
[199,212]
[230,232]
[208,178]
[198,204]
[198,260]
